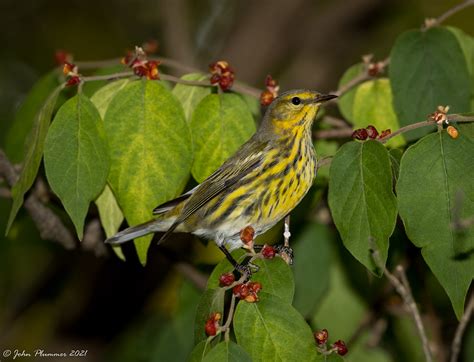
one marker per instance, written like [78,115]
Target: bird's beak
[324,98]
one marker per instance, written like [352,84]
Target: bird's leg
[241,268]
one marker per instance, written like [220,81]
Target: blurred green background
[88,299]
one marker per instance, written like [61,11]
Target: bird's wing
[169,205]
[233,170]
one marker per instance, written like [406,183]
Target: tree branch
[403,288]
[450,12]
[456,345]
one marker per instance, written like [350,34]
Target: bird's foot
[286,252]
[247,270]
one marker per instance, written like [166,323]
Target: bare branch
[196,277]
[48,223]
[450,12]
[456,345]
[403,288]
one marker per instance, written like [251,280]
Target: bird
[258,186]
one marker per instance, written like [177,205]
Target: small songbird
[258,186]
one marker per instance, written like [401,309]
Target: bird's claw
[286,252]
[247,270]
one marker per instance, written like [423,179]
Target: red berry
[241,291]
[321,336]
[210,328]
[247,234]
[73,81]
[372,132]
[385,133]
[254,287]
[270,82]
[268,252]
[266,98]
[360,134]
[340,347]
[215,78]
[212,324]
[226,82]
[226,279]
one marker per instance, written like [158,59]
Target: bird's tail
[134,232]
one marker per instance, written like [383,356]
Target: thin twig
[226,326]
[195,276]
[456,345]
[403,288]
[174,79]
[361,78]
[336,122]
[113,76]
[458,118]
[450,12]
[333,133]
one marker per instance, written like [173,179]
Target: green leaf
[274,275]
[190,95]
[428,69]
[200,351]
[212,301]
[467,45]
[342,310]
[25,116]
[103,96]
[151,151]
[111,215]
[272,330]
[395,158]
[75,157]
[313,259]
[373,105]
[346,101]
[254,106]
[34,154]
[325,148]
[221,123]
[361,199]
[444,167]
[276,278]
[227,352]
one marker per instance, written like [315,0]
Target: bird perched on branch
[258,186]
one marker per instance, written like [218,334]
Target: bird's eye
[296,100]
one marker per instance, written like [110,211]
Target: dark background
[88,299]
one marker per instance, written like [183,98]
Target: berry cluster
[212,324]
[247,291]
[71,72]
[141,66]
[268,95]
[222,74]
[321,338]
[369,132]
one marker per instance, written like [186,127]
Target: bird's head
[293,110]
